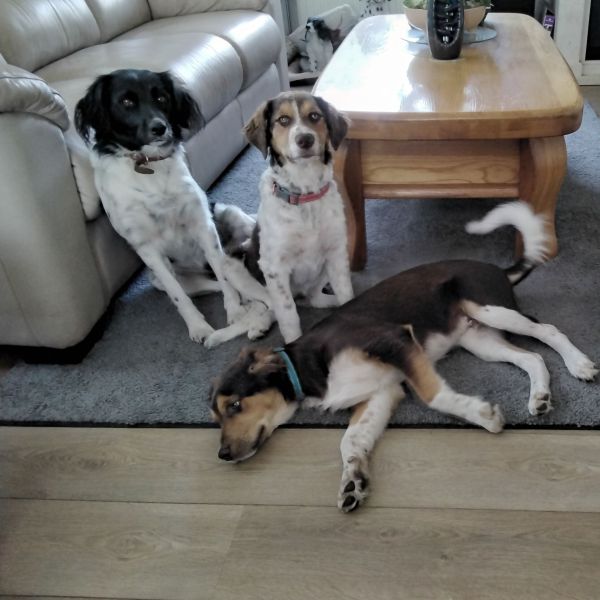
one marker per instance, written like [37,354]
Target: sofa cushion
[33,33]
[115,16]
[254,35]
[170,8]
[207,64]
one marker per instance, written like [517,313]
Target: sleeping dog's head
[296,126]
[250,400]
[137,110]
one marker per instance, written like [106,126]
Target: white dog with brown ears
[301,226]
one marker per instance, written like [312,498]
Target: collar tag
[292,373]
[141,161]
[140,168]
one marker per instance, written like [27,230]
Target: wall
[302,9]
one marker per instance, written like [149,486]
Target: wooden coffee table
[490,124]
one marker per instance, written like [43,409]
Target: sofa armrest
[51,293]
[24,92]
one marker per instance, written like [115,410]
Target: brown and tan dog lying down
[360,356]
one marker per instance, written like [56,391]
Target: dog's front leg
[368,422]
[282,301]
[197,326]
[337,267]
[216,259]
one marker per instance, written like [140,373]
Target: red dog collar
[296,199]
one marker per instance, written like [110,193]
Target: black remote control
[445,25]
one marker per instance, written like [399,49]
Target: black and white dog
[300,244]
[136,121]
[360,355]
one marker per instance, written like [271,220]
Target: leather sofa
[60,260]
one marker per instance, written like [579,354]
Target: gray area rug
[146,371]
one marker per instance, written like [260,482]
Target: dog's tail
[528,224]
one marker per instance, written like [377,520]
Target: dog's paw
[354,489]
[236,311]
[582,367]
[539,403]
[217,337]
[257,332]
[199,330]
[260,321]
[491,417]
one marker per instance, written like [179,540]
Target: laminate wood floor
[153,514]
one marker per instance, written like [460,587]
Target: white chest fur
[299,238]
[353,378]
[164,209]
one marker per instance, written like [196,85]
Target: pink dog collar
[297,199]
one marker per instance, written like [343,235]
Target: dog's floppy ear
[258,129]
[337,123]
[90,112]
[322,30]
[265,361]
[185,112]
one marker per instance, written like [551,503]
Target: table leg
[348,175]
[542,170]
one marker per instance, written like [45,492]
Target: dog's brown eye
[284,121]
[161,99]
[127,102]
[314,117]
[234,408]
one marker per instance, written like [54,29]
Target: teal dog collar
[292,373]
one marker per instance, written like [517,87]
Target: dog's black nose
[305,140]
[225,453]
[157,128]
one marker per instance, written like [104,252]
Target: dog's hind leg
[399,348]
[488,344]
[197,326]
[577,362]
[317,298]
[368,422]
[242,280]
[437,394]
